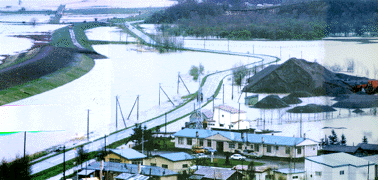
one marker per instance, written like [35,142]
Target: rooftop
[236,136]
[209,173]
[371,147]
[339,159]
[132,169]
[128,153]
[177,156]
[229,109]
[340,148]
[290,171]
[128,176]
[373,158]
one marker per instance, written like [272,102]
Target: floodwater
[131,71]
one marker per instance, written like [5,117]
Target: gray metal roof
[86,172]
[340,148]
[369,147]
[236,136]
[215,173]
[132,169]
[339,159]
[128,153]
[372,159]
[128,176]
[290,171]
[177,156]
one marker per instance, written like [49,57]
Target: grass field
[81,66]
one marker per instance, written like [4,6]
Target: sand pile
[271,102]
[311,108]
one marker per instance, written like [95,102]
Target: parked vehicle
[209,150]
[201,155]
[238,157]
[251,153]
[196,149]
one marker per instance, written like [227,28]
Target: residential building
[289,174]
[373,159]
[178,161]
[227,117]
[338,166]
[197,119]
[211,173]
[328,149]
[129,156]
[265,145]
[111,170]
[264,172]
[368,148]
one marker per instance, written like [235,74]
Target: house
[264,172]
[112,170]
[368,148]
[178,161]
[128,176]
[289,174]
[227,117]
[197,119]
[265,145]
[210,173]
[373,159]
[328,149]
[338,166]
[85,173]
[129,156]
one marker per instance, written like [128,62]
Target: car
[201,155]
[238,157]
[251,153]
[198,149]
[209,150]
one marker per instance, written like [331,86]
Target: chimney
[139,168]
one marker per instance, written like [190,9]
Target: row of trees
[312,20]
[333,139]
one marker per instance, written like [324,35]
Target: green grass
[19,58]
[48,82]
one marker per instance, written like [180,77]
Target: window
[318,173]
[222,115]
[208,143]
[136,162]
[295,177]
[269,148]
[299,150]
[257,148]
[181,140]
[251,146]
[221,125]
[153,164]
[185,166]
[189,141]
[277,147]
[114,160]
[342,172]
[164,166]
[240,145]
[231,145]
[287,150]
[201,142]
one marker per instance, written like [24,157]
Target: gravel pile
[299,75]
[291,99]
[311,108]
[271,102]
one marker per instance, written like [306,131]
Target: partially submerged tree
[196,71]
[364,140]
[81,155]
[17,169]
[333,138]
[343,140]
[239,72]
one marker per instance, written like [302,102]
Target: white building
[226,117]
[265,145]
[338,166]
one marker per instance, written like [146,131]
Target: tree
[196,71]
[343,140]
[364,140]
[227,154]
[333,138]
[17,169]
[251,170]
[81,155]
[239,72]
[145,135]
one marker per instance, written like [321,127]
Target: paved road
[208,90]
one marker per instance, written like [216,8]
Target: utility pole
[300,128]
[138,109]
[239,117]
[64,162]
[178,82]
[24,144]
[253,49]
[223,93]
[159,92]
[88,125]
[232,85]
[116,113]
[105,142]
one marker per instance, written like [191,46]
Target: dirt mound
[355,101]
[311,108]
[291,99]
[298,75]
[271,102]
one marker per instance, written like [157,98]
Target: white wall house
[265,145]
[338,166]
[226,116]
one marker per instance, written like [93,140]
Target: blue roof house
[265,145]
[339,166]
[129,156]
[177,161]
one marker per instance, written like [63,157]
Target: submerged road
[208,90]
